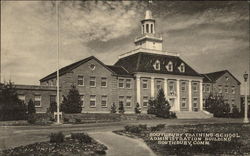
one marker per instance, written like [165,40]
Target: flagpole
[58,49]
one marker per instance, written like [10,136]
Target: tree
[31,107]
[113,108]
[159,106]
[215,104]
[121,108]
[72,103]
[137,108]
[11,108]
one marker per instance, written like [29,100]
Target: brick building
[135,78]
[222,83]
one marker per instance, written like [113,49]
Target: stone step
[193,115]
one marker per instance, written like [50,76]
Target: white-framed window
[22,98]
[182,68]
[92,101]
[92,81]
[104,82]
[208,88]
[157,65]
[183,102]
[233,90]
[226,89]
[169,66]
[195,102]
[158,84]
[104,100]
[52,99]
[121,83]
[38,101]
[183,86]
[171,88]
[145,101]
[233,101]
[128,101]
[219,89]
[121,100]
[128,83]
[195,87]
[80,80]
[145,84]
[82,100]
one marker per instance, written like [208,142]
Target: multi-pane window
[38,101]
[182,68]
[82,100]
[171,88]
[183,86]
[80,80]
[104,100]
[144,84]
[92,101]
[22,98]
[208,88]
[219,89]
[128,101]
[226,89]
[92,81]
[52,99]
[169,66]
[121,83]
[195,87]
[233,102]
[128,83]
[195,102]
[157,65]
[233,90]
[121,100]
[145,101]
[183,102]
[158,84]
[103,82]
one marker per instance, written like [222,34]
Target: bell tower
[148,38]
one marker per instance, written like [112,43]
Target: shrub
[113,108]
[81,137]
[65,119]
[143,127]
[11,108]
[31,107]
[172,115]
[157,127]
[31,119]
[78,120]
[137,108]
[72,103]
[159,106]
[57,137]
[235,112]
[121,108]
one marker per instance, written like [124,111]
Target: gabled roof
[143,62]
[119,70]
[216,75]
[68,68]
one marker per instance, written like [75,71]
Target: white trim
[201,97]
[189,95]
[152,87]
[138,90]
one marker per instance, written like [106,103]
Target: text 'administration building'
[134,78]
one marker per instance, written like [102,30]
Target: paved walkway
[121,145]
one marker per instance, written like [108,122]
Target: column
[152,87]
[138,90]
[166,87]
[201,96]
[177,95]
[189,95]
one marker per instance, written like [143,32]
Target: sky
[209,35]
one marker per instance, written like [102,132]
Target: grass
[236,146]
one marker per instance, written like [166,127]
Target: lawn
[201,139]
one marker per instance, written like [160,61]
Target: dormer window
[182,68]
[157,65]
[169,66]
